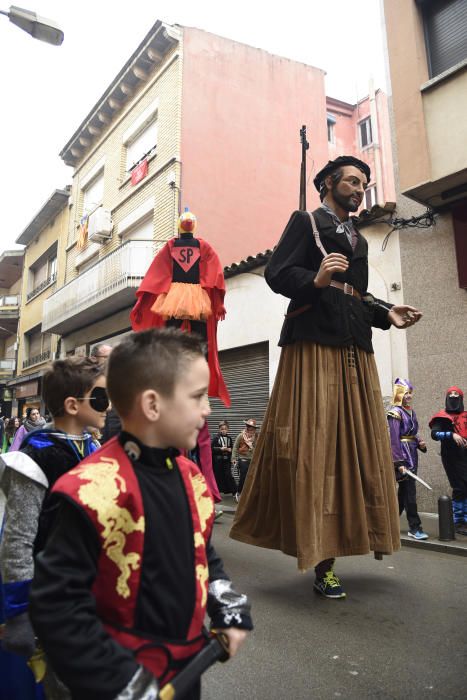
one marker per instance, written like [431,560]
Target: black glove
[18,637]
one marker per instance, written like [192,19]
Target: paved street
[400,634]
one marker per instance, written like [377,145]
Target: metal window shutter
[35,344]
[446,34]
[246,373]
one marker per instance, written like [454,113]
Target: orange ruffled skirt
[184,301]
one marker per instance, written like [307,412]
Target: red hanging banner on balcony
[140,172]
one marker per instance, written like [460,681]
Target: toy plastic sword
[417,478]
[216,650]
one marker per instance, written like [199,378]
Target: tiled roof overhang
[53,206]
[151,51]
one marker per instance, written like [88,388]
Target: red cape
[458,421]
[158,279]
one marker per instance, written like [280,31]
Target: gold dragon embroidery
[202,575]
[101,495]
[203,499]
[205,508]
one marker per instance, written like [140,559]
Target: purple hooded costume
[403,429]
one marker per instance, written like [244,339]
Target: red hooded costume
[172,282]
[157,281]
[458,419]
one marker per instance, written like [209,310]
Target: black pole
[446,520]
[305,147]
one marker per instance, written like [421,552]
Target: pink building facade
[242,109]
[363,129]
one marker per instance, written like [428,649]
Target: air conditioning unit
[100,225]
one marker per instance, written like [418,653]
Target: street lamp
[38,27]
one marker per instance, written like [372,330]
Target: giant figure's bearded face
[349,191]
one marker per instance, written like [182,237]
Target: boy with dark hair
[75,395]
[121,589]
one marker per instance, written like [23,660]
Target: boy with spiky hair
[74,393]
[122,587]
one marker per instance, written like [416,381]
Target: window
[37,346]
[331,121]
[87,264]
[46,342]
[371,196]
[366,137]
[93,194]
[142,231]
[52,265]
[39,275]
[43,272]
[445,24]
[34,343]
[142,144]
[459,220]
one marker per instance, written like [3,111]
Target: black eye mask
[98,399]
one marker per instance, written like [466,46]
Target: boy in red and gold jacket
[121,590]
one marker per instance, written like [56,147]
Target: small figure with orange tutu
[184,288]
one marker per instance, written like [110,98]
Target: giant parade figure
[184,288]
[321,482]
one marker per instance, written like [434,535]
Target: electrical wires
[425,220]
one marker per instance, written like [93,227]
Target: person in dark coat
[113,424]
[321,481]
[450,428]
[221,446]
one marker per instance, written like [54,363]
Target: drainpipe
[376,145]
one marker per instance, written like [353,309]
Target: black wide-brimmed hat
[338,163]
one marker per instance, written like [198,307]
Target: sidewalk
[430,525]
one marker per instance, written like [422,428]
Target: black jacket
[219,456]
[335,318]
[62,604]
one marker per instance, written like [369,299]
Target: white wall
[385,271]
[254,315]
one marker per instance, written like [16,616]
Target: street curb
[442,547]
[433,545]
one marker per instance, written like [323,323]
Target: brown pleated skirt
[321,483]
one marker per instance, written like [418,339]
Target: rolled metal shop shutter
[246,373]
[445,33]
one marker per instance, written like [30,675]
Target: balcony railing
[10,300]
[40,287]
[105,288]
[36,359]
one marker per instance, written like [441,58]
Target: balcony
[37,359]
[7,369]
[40,287]
[444,104]
[104,289]
[9,314]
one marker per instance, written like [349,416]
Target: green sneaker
[329,586]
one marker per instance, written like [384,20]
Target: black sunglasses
[98,399]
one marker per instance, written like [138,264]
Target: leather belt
[343,286]
[346,288]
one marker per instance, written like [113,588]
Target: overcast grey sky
[47,91]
